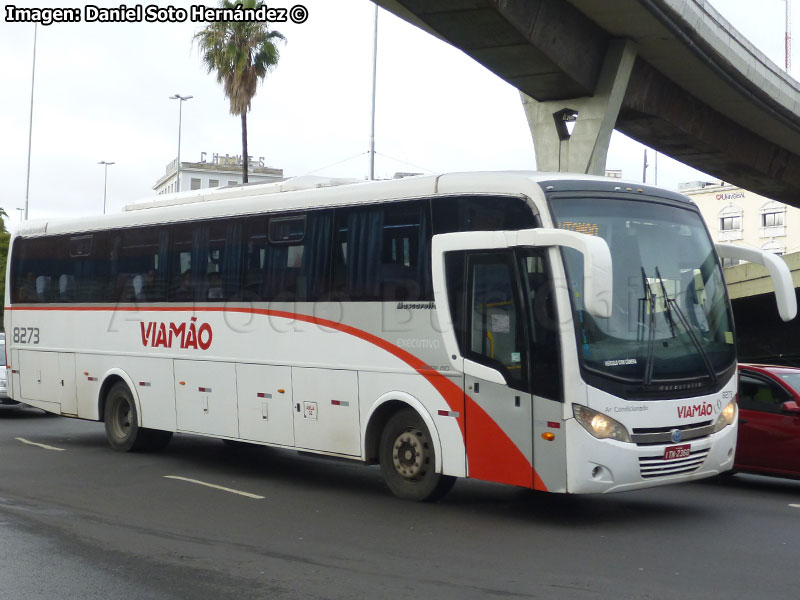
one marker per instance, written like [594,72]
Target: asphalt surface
[80,520]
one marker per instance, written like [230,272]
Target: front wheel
[408,459]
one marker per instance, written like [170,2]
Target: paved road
[87,521]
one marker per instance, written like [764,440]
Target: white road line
[216,487]
[795,505]
[45,446]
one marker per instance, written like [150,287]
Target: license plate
[673,452]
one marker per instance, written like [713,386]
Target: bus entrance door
[495,348]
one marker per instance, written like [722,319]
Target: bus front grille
[656,466]
[663,435]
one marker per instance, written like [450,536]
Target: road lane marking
[45,446]
[795,505]
[216,487]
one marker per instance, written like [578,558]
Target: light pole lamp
[105,181]
[181,100]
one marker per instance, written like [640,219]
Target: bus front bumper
[602,466]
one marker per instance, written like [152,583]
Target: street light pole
[181,100]
[105,181]
[374,85]
[30,124]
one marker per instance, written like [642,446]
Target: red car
[769,420]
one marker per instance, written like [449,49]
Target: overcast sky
[102,93]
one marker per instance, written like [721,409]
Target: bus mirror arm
[597,268]
[778,271]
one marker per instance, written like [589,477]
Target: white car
[4,399]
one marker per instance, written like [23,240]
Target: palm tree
[241,53]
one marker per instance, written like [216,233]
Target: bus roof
[303,193]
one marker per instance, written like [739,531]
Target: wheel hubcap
[123,419]
[410,454]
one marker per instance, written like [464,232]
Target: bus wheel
[122,424]
[407,459]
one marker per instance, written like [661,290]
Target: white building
[214,170]
[738,216]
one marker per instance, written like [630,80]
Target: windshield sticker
[501,324]
[621,362]
[515,357]
[728,337]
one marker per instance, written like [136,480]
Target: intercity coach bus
[556,332]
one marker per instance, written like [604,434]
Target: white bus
[562,333]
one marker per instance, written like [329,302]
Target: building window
[730,262]
[772,219]
[233,182]
[730,223]
[213,183]
[195,183]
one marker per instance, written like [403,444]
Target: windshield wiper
[667,308]
[669,305]
[650,301]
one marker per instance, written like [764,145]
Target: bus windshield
[670,319]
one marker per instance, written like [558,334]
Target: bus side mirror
[597,280]
[778,272]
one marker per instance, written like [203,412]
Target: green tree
[241,53]
[5,237]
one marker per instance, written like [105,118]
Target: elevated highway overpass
[672,74]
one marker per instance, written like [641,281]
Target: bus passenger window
[138,273]
[185,241]
[287,258]
[383,253]
[481,213]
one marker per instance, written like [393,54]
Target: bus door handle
[297,406]
[477,387]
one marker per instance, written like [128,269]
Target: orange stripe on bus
[491,454]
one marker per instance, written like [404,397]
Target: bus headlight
[599,425]
[726,416]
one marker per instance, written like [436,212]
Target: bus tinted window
[85,277]
[222,274]
[137,272]
[36,268]
[383,253]
[184,241]
[481,213]
[293,268]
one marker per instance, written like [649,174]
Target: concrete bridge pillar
[594,117]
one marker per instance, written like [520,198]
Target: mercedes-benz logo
[676,435]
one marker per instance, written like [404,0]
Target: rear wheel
[122,424]
[408,459]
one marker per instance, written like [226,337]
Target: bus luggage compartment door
[205,397]
[326,410]
[49,377]
[265,403]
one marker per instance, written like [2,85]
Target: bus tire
[408,459]
[122,423]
